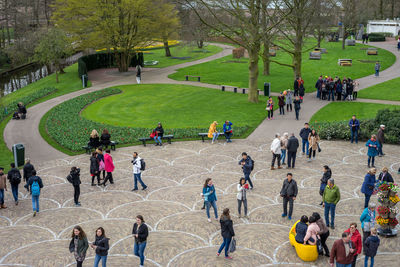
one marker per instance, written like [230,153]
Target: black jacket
[94,165]
[226,227]
[304,133]
[160,131]
[248,164]
[94,142]
[11,172]
[105,139]
[387,178]
[142,232]
[293,144]
[296,85]
[297,104]
[301,231]
[289,189]
[75,177]
[28,168]
[102,245]
[326,176]
[35,178]
[371,246]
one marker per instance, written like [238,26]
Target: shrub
[376,37]
[69,129]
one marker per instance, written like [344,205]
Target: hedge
[341,131]
[70,130]
[376,37]
[12,106]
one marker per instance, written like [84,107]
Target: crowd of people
[329,88]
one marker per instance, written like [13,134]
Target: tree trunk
[200,44]
[319,39]
[123,62]
[381,9]
[166,47]
[297,56]
[344,41]
[266,61]
[392,9]
[56,76]
[253,75]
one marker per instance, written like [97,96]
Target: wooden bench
[315,55]
[345,62]
[272,52]
[187,77]
[372,51]
[168,137]
[88,148]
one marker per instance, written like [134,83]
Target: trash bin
[19,154]
[267,89]
[85,79]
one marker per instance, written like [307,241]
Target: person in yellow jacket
[212,132]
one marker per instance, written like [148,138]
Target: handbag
[319,149]
[153,134]
[320,249]
[367,227]
[232,245]
[102,165]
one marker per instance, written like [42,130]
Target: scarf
[347,248]
[371,216]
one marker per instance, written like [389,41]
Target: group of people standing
[101,163]
[328,88]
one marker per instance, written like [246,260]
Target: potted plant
[383,211]
[394,189]
[393,212]
[384,188]
[393,222]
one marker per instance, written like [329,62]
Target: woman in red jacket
[109,167]
[356,239]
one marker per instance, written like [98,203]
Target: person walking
[138,167]
[381,139]
[227,232]
[138,74]
[35,184]
[159,134]
[14,177]
[367,220]
[304,133]
[210,197]
[292,146]
[109,167]
[100,160]
[276,152]
[228,131]
[327,174]
[313,139]
[94,168]
[281,104]
[368,186]
[355,237]
[330,198]
[371,247]
[101,247]
[3,187]
[343,251]
[213,132]
[270,108]
[377,68]
[28,168]
[247,165]
[140,231]
[74,179]
[78,245]
[241,196]
[323,232]
[373,147]
[385,176]
[354,125]
[284,142]
[297,107]
[288,193]
[289,100]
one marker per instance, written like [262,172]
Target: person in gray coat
[289,100]
[289,193]
[381,139]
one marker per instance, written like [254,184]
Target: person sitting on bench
[94,141]
[212,132]
[228,131]
[21,113]
[105,138]
[159,134]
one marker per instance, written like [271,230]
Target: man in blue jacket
[228,131]
[354,125]
[304,133]
[247,166]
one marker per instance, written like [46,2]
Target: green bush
[341,131]
[376,37]
[70,130]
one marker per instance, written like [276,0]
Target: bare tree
[323,18]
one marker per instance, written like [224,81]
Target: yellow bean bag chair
[305,252]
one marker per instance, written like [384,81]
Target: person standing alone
[330,198]
[138,166]
[381,139]
[292,146]
[288,193]
[354,125]
[343,251]
[74,179]
[377,68]
[297,107]
[140,231]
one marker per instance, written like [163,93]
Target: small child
[371,247]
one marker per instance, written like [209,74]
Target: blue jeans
[305,143]
[138,250]
[35,203]
[228,136]
[1,196]
[342,265]
[214,205]
[225,244]
[297,113]
[247,178]
[283,155]
[330,207]
[97,259]
[157,139]
[366,202]
[331,93]
[354,134]
[376,73]
[366,261]
[215,136]
[318,93]
[138,177]
[380,152]
[14,189]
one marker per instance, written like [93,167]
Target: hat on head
[382,126]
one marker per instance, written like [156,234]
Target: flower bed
[70,130]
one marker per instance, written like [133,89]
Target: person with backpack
[101,247]
[94,168]
[248,166]
[109,167]
[14,176]
[74,179]
[140,231]
[288,193]
[35,184]
[371,247]
[3,186]
[78,245]
[138,166]
[28,168]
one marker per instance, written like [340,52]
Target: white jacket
[276,146]
[137,165]
[241,190]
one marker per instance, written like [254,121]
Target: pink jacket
[108,161]
[312,231]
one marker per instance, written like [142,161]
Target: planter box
[350,42]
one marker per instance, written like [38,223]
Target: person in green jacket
[78,245]
[330,198]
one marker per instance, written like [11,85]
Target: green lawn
[181,51]
[176,106]
[222,71]
[389,90]
[341,111]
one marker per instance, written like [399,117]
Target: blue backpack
[35,189]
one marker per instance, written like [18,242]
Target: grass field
[341,111]
[180,51]
[281,78]
[176,106]
[389,90]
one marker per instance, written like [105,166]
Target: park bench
[88,148]
[272,52]
[202,135]
[372,51]
[187,77]
[322,50]
[350,42]
[345,62]
[315,55]
[168,137]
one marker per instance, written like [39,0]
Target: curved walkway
[27,132]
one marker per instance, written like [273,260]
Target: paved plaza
[180,234]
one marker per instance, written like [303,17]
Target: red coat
[108,161]
[356,238]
